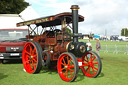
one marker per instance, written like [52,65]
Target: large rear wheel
[68,66]
[32,57]
[92,63]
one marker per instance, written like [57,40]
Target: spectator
[89,45]
[98,46]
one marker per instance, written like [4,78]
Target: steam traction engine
[54,47]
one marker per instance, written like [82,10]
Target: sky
[104,17]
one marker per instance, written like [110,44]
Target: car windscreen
[12,34]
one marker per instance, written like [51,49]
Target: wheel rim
[29,57]
[66,67]
[91,62]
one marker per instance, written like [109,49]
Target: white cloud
[32,2]
[100,15]
[49,1]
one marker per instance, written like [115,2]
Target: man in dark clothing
[98,46]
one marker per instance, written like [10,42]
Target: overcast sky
[100,15]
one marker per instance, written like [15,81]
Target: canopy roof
[50,20]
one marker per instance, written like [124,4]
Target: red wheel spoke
[71,66]
[85,64]
[30,49]
[32,63]
[85,60]
[27,52]
[89,70]
[69,61]
[33,51]
[71,73]
[63,61]
[93,71]
[34,56]
[62,69]
[27,62]
[94,58]
[34,60]
[94,67]
[65,72]
[71,70]
[63,64]
[95,63]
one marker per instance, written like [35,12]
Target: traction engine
[58,48]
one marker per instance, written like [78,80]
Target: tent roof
[8,21]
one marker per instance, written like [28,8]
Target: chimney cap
[74,7]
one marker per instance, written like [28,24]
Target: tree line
[12,6]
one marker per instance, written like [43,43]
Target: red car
[12,42]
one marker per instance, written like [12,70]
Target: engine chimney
[75,22]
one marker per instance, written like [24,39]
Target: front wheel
[68,66]
[93,64]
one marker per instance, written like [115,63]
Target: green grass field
[122,47]
[114,72]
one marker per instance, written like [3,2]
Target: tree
[12,6]
[124,32]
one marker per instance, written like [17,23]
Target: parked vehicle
[12,42]
[126,39]
[123,38]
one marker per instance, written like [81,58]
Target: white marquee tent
[10,20]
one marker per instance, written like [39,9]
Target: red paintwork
[3,45]
[15,44]
[2,49]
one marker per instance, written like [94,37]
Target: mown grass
[114,72]
[106,42]
[112,46]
